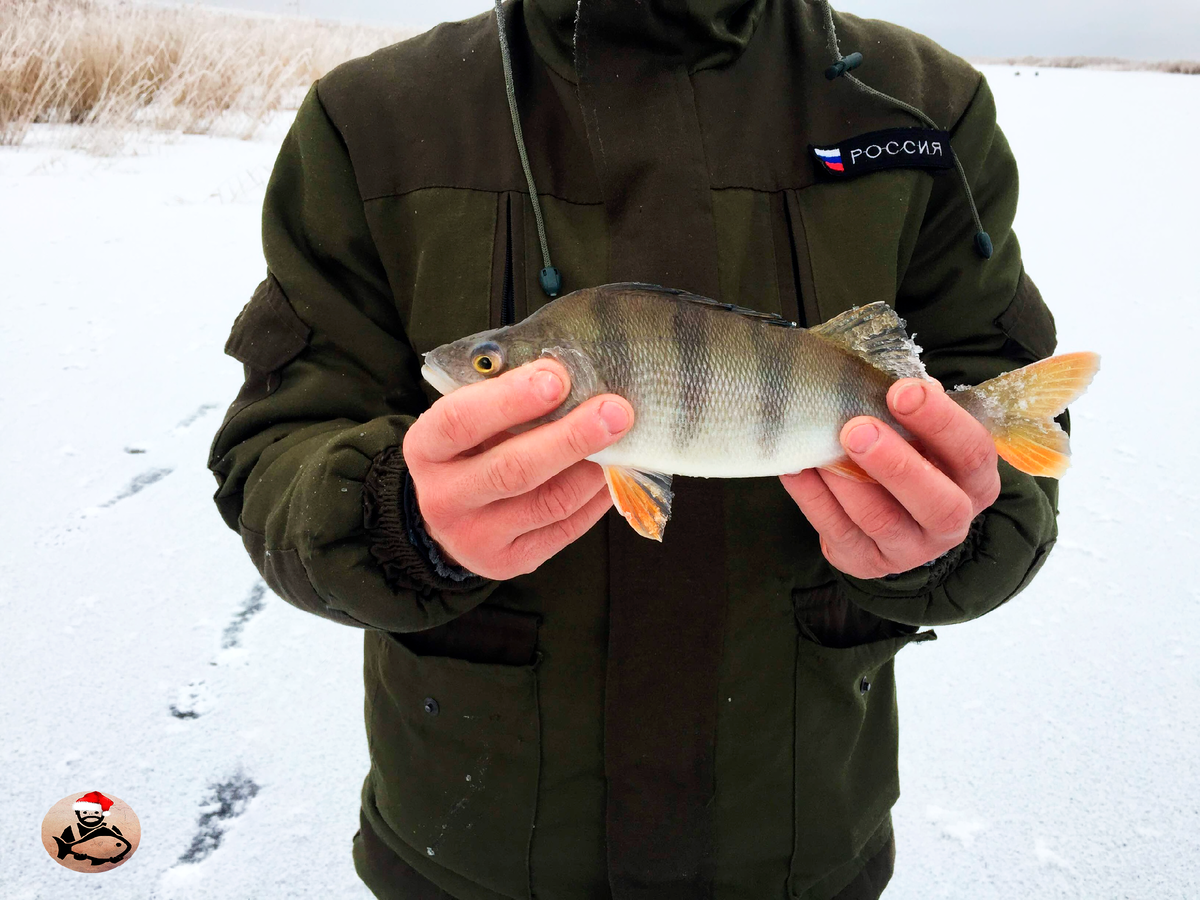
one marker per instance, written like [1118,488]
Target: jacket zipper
[507,304]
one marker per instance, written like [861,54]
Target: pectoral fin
[643,498]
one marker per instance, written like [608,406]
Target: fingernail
[861,438]
[909,399]
[614,416]
[548,385]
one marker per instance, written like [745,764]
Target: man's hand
[919,509]
[499,504]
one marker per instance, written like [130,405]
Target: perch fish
[719,391]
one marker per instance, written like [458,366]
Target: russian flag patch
[893,148]
[830,159]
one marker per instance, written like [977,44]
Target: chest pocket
[436,245]
[463,261]
[853,239]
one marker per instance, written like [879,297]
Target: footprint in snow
[200,412]
[138,484]
[253,604]
[226,800]
[193,701]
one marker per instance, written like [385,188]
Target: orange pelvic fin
[848,468]
[643,498]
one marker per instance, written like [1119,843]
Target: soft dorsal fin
[875,334]
[676,293]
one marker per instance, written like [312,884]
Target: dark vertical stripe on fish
[690,324]
[771,373]
[612,349]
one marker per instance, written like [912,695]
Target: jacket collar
[699,34]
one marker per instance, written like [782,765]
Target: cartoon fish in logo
[104,845]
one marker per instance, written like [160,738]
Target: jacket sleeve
[976,318]
[307,459]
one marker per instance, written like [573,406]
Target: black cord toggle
[551,281]
[844,65]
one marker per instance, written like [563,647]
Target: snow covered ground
[1048,750]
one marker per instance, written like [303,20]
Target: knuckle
[842,531]
[894,467]
[954,517]
[561,533]
[578,440]
[455,425]
[509,473]
[882,521]
[558,499]
[978,456]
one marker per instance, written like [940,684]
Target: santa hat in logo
[94,802]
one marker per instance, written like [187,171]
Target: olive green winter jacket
[712,717]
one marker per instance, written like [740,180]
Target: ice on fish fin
[848,468]
[876,335]
[1019,407]
[643,498]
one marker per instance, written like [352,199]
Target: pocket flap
[267,333]
[827,618]
[1028,320]
[486,634]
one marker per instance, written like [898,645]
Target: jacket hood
[698,34]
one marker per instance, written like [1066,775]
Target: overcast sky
[1137,29]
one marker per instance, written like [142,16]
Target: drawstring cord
[549,278]
[842,68]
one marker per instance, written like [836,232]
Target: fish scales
[715,392]
[724,394]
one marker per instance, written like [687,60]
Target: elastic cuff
[398,542]
[419,537]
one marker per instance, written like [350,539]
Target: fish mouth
[437,376]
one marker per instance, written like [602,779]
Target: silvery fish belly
[719,391]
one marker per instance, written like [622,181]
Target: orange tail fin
[1019,407]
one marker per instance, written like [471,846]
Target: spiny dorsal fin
[875,334]
[676,293]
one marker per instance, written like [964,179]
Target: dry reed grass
[1112,63]
[115,67]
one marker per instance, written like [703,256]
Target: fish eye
[487,358]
